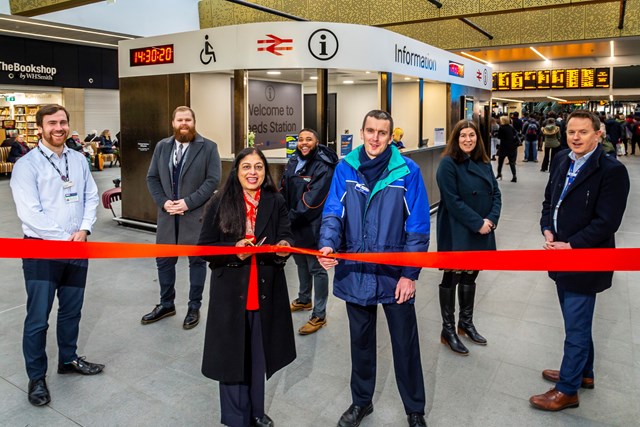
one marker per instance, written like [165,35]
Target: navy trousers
[43,279]
[240,402]
[167,279]
[577,361]
[403,329]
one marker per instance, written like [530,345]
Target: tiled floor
[153,375]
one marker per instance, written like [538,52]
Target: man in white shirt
[56,199]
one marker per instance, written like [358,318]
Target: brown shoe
[554,376]
[312,326]
[299,306]
[554,400]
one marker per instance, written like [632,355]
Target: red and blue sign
[456,69]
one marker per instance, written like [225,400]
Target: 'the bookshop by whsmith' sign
[571,78]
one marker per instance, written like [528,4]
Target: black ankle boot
[466,295]
[514,179]
[447,308]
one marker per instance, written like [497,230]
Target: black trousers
[403,328]
[240,402]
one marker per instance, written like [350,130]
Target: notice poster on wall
[438,137]
[275,111]
[292,144]
[346,144]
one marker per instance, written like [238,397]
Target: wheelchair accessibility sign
[207,54]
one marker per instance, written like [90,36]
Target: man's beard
[184,137]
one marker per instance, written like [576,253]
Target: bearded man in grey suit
[184,173]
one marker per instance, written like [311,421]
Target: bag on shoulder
[532,131]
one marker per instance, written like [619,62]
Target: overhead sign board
[298,45]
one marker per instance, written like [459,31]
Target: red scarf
[251,205]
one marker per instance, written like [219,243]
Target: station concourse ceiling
[559,29]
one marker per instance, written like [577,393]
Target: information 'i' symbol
[323,44]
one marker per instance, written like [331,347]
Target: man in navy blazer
[584,202]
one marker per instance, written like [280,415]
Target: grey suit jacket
[199,178]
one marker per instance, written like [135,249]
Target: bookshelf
[25,117]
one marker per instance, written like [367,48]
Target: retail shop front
[38,72]
[269,80]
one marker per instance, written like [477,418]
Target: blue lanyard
[571,176]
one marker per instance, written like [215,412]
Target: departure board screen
[504,81]
[603,77]
[544,79]
[587,78]
[558,79]
[517,80]
[572,78]
[530,80]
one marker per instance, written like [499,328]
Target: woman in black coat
[508,137]
[468,213]
[249,329]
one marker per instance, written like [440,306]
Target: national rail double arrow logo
[274,44]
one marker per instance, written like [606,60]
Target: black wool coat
[469,193]
[589,215]
[224,357]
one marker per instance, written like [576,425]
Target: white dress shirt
[48,210]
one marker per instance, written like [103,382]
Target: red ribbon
[620,259]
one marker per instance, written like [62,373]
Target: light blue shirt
[48,210]
[577,165]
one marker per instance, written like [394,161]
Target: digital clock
[153,55]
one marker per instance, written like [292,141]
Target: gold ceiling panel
[324,10]
[204,13]
[39,7]
[602,21]
[473,37]
[506,29]
[538,3]
[450,34]
[458,7]
[351,11]
[295,7]
[498,5]
[382,11]
[418,9]
[561,28]
[632,19]
[508,21]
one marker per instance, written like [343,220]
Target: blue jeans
[531,150]
[577,361]
[310,274]
[43,279]
[167,279]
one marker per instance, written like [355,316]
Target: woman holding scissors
[249,332]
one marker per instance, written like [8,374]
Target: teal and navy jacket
[391,217]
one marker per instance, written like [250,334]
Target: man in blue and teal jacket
[378,203]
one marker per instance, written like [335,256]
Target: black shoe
[160,312]
[80,366]
[39,393]
[416,420]
[192,319]
[264,421]
[353,416]
[514,179]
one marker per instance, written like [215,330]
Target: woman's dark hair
[231,215]
[453,145]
